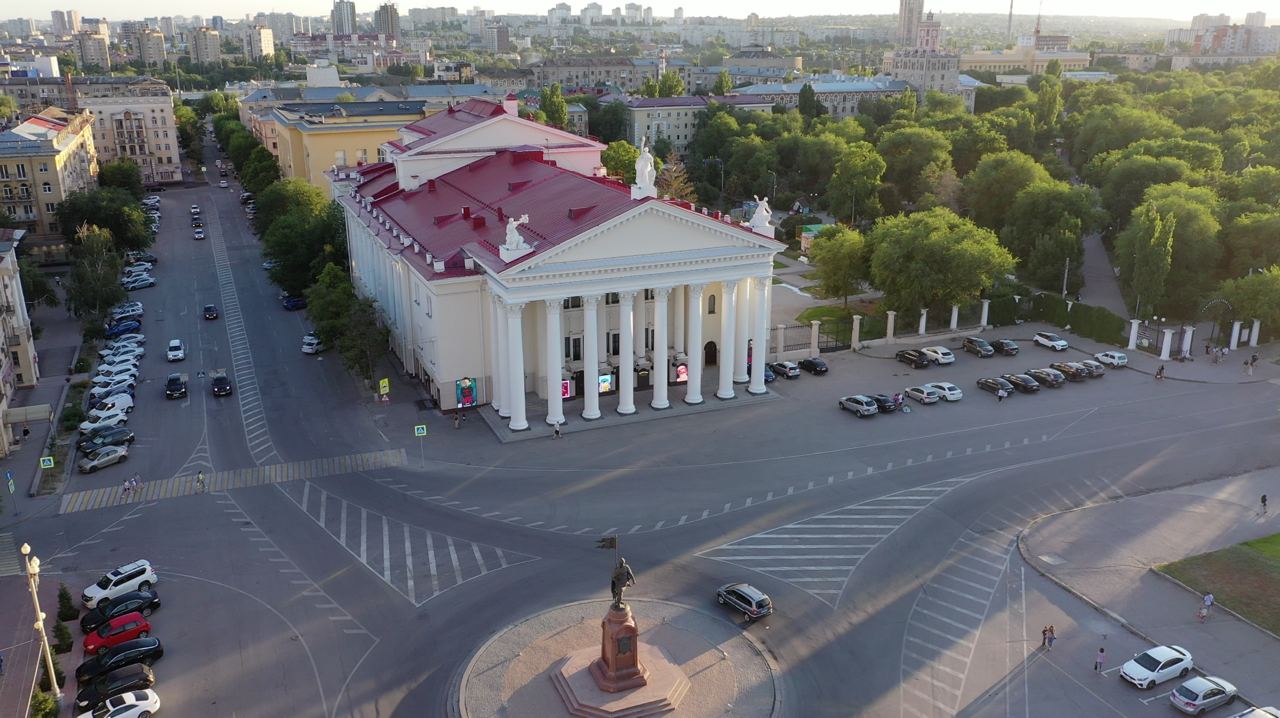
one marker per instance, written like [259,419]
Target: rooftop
[850,85]
[694,101]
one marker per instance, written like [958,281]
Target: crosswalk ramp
[419,564]
[186,485]
[10,563]
[819,554]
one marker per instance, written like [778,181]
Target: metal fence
[795,337]
[835,335]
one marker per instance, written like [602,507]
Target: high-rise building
[22,27]
[168,27]
[206,45]
[386,21]
[151,47]
[678,16]
[127,35]
[909,12]
[497,38]
[217,22]
[92,50]
[591,14]
[258,41]
[1205,21]
[559,15]
[343,17]
[73,21]
[60,26]
[1256,19]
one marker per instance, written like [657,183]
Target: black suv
[814,365]
[1071,370]
[113,436]
[143,602]
[1007,347]
[1051,378]
[122,680]
[1022,382]
[175,387]
[139,650]
[221,385]
[977,345]
[913,358]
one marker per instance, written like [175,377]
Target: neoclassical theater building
[505,263]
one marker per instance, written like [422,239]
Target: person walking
[1206,348]
[1001,394]
[556,429]
[1264,504]
[1053,636]
[457,421]
[127,488]
[1208,602]
[1160,372]
[200,486]
[1248,368]
[1098,660]
[1044,636]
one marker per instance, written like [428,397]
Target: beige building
[761,56]
[312,138]
[151,48]
[676,118]
[18,366]
[141,129]
[206,45]
[43,160]
[1035,61]
[34,94]
[92,50]
[258,42]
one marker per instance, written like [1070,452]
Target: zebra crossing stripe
[9,563]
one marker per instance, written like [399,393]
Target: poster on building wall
[566,389]
[682,373]
[465,389]
[606,383]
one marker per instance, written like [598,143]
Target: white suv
[177,352]
[136,576]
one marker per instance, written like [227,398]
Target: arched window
[711,304]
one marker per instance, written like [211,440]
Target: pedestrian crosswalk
[419,564]
[820,553]
[234,479]
[10,563]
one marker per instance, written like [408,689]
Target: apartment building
[311,138]
[206,45]
[259,41]
[43,160]
[18,367]
[92,50]
[676,118]
[152,48]
[141,129]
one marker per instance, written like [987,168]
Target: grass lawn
[1244,578]
[824,313]
[779,265]
[777,281]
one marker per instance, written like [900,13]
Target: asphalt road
[886,543]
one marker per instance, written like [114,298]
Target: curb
[1156,570]
[33,490]
[457,705]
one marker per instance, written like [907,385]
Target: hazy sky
[1175,9]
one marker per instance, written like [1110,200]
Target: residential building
[506,81]
[446,70]
[152,48]
[217,22]
[1028,59]
[627,73]
[127,35]
[501,262]
[1205,21]
[141,129]
[841,97]
[437,16]
[1137,61]
[42,161]
[578,124]
[763,56]
[909,12]
[676,118]
[1256,19]
[386,21]
[497,39]
[311,138]
[259,41]
[32,66]
[591,14]
[73,21]
[206,46]
[95,25]
[168,27]
[93,50]
[1184,62]
[34,94]
[343,17]
[18,366]
[60,25]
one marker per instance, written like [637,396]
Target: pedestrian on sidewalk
[457,421]
[1098,660]
[200,487]
[1044,636]
[1208,602]
[1248,368]
[1053,636]
[1000,395]
[1160,372]
[1264,504]
[1206,348]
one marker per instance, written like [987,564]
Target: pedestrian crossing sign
[420,430]
[384,386]
[46,462]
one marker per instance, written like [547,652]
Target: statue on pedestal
[646,175]
[761,220]
[621,579]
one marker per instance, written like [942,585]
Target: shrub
[62,637]
[71,417]
[43,705]
[67,609]
[1002,312]
[58,676]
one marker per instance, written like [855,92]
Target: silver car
[1201,694]
[103,458]
[923,394]
[859,404]
[744,597]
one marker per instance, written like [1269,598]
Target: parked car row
[116,679]
[863,405]
[1052,376]
[790,369]
[1196,695]
[110,400]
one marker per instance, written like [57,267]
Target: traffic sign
[384,386]
[46,462]
[420,430]
[8,477]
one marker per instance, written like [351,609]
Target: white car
[141,282]
[859,404]
[109,406]
[222,184]
[923,394]
[1116,359]
[134,704]
[121,362]
[114,418]
[311,344]
[176,352]
[939,355]
[126,308]
[946,390]
[102,458]
[127,339]
[1049,340]
[1268,712]
[198,234]
[139,267]
[124,351]
[1202,693]
[124,383]
[110,375]
[195,209]
[136,576]
[1157,665]
[152,201]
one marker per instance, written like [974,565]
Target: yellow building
[1007,62]
[311,138]
[43,160]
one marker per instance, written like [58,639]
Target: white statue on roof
[514,240]
[645,174]
[762,220]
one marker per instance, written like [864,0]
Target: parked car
[751,601]
[1007,347]
[1268,712]
[1051,378]
[116,435]
[176,351]
[122,328]
[221,385]
[118,364]
[110,404]
[270,264]
[140,650]
[138,267]
[245,197]
[769,376]
[977,345]
[141,257]
[1024,383]
[885,403]
[135,576]
[118,683]
[144,602]
[138,283]
[175,387]
[1115,359]
[913,358]
[124,351]
[293,304]
[129,338]
[311,345]
[151,201]
[1157,665]
[102,458]
[1202,693]
[787,369]
[110,375]
[1049,340]
[211,311]
[1097,370]
[135,704]
[946,390]
[939,355]
[994,384]
[117,631]
[923,394]
[115,418]
[814,365]
[125,384]
[1071,370]
[860,404]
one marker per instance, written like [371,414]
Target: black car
[814,365]
[196,222]
[979,346]
[112,436]
[1051,378]
[885,403]
[1071,370]
[246,197]
[913,358]
[144,602]
[994,384]
[175,387]
[293,304]
[1007,347]
[221,385]
[149,258]
[140,650]
[1022,382]
[210,311]
[122,680]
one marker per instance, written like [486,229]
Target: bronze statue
[622,578]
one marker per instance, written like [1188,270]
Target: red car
[117,630]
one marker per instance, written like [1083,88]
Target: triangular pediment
[502,131]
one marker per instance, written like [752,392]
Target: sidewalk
[20,644]
[1105,553]
[1101,286]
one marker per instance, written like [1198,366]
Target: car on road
[102,458]
[1007,347]
[270,264]
[1051,378]
[1049,340]
[923,394]
[1071,370]
[939,355]
[120,329]
[293,304]
[885,403]
[946,390]
[211,311]
[1097,370]
[787,369]
[1202,693]
[141,282]
[1024,383]
[135,576]
[311,345]
[978,346]
[860,404]
[814,365]
[1157,665]
[116,435]
[751,601]
[1115,359]
[994,384]
[144,602]
[221,385]
[175,387]
[222,184]
[198,234]
[117,631]
[176,350]
[913,358]
[122,682]
[197,223]
[139,650]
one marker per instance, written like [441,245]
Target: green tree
[973,142]
[1048,102]
[649,88]
[1113,127]
[1128,180]
[808,103]
[619,158]
[1249,242]
[110,208]
[1054,250]
[329,301]
[1053,69]
[93,286]
[42,704]
[839,255]
[553,105]
[36,287]
[124,174]
[673,180]
[1144,251]
[1196,250]
[670,84]
[1256,296]
[854,183]
[610,122]
[1016,125]
[364,340]
[990,189]
[988,98]
[934,259]
[1044,208]
[302,242]
[724,84]
[8,107]
[283,196]
[67,610]
[915,157]
[260,170]
[344,97]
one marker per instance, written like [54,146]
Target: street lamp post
[774,195]
[33,583]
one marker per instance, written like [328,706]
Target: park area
[1244,578]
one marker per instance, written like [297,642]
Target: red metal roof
[455,119]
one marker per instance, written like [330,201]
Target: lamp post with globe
[33,582]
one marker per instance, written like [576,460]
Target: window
[648,338]
[4,171]
[50,207]
[8,192]
[22,171]
[44,166]
[648,294]
[573,348]
[340,158]
[572,303]
[612,343]
[711,304]
[46,188]
[610,298]
[362,156]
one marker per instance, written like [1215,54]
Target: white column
[1253,332]
[661,355]
[742,332]
[728,322]
[626,353]
[1188,334]
[693,389]
[889,318]
[515,359]
[678,311]
[1133,333]
[497,328]
[955,316]
[602,331]
[504,359]
[924,317]
[590,369]
[759,333]
[638,319]
[1166,344]
[855,340]
[554,352]
[1235,334]
[986,308]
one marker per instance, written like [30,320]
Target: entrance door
[709,354]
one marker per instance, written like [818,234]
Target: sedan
[195,209]
[176,351]
[140,650]
[138,283]
[1201,694]
[1007,347]
[139,266]
[293,304]
[124,351]
[1049,340]
[1051,378]
[196,222]
[141,257]
[198,234]
[885,403]
[137,704]
[102,458]
[114,436]
[117,631]
[1022,382]
[1157,665]
[122,328]
[222,184]
[144,602]
[946,390]
[221,385]
[814,365]
[860,404]
[751,601]
[939,355]
[127,339]
[175,387]
[788,369]
[769,376]
[913,358]
[994,384]
[1097,370]
[210,311]
[117,364]
[1115,359]
[1071,370]
[123,384]
[270,264]
[311,345]
[111,375]
[115,684]
[923,394]
[115,418]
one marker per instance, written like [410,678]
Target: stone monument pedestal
[576,682]
[619,668]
